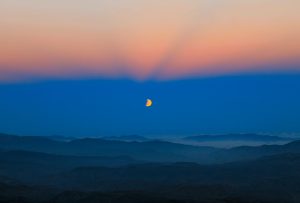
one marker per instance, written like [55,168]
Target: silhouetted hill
[112,197]
[31,166]
[48,177]
[16,193]
[253,152]
[29,143]
[279,167]
[127,138]
[237,137]
[61,138]
[268,179]
[26,194]
[153,151]
[149,151]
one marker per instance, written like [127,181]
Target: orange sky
[146,39]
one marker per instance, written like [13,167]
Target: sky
[146,39]
[100,107]
[211,66]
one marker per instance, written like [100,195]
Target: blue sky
[98,107]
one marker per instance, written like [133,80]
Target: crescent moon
[148,103]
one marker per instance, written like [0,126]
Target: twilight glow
[147,39]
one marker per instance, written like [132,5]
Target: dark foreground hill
[282,169]
[268,179]
[25,194]
[31,166]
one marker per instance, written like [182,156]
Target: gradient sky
[86,68]
[146,39]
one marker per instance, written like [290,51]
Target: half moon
[148,103]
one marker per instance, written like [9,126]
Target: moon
[149,103]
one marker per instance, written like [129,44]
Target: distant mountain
[237,137]
[147,151]
[151,151]
[97,170]
[61,138]
[254,152]
[127,138]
